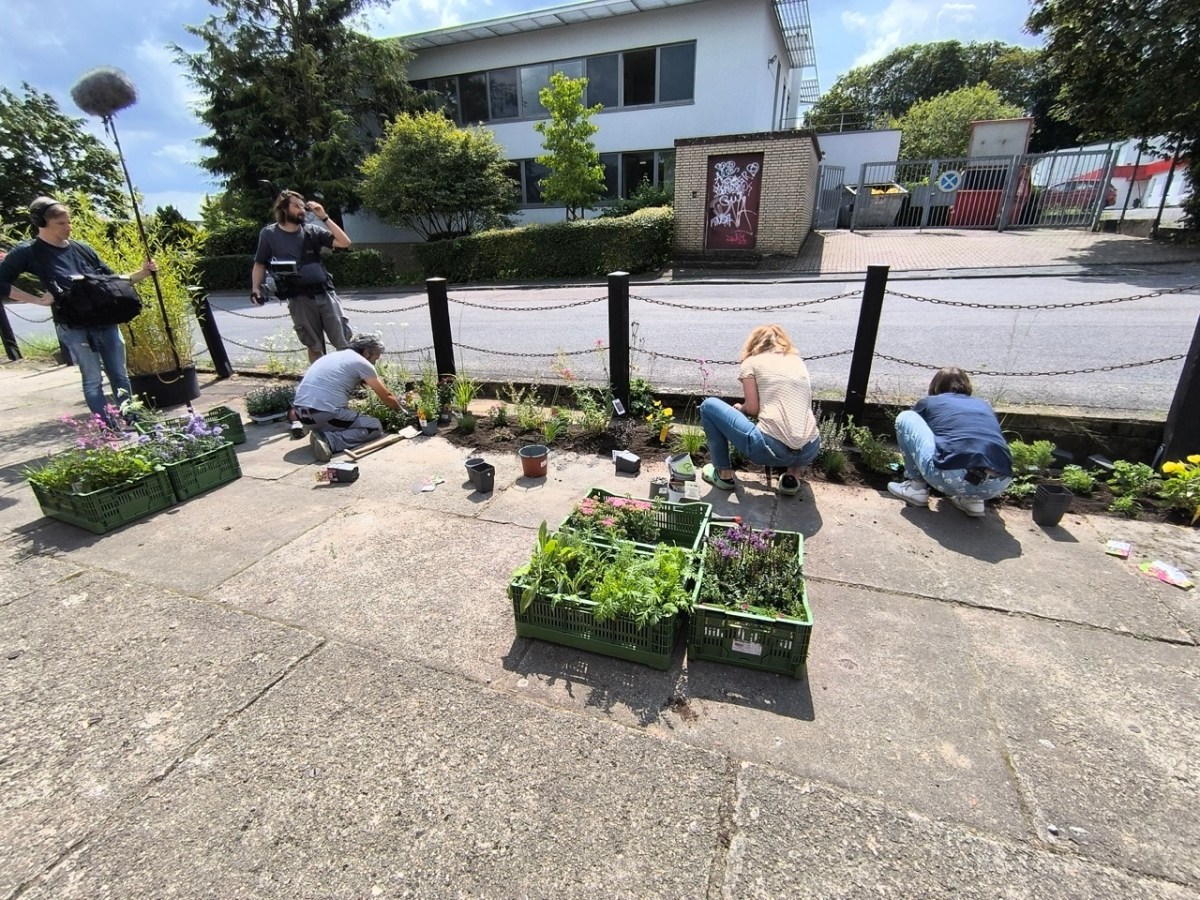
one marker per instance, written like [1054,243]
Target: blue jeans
[345,428]
[724,425]
[917,445]
[92,348]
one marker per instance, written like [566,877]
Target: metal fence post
[439,324]
[1181,435]
[212,334]
[6,333]
[864,342]
[618,336]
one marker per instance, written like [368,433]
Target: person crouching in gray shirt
[323,398]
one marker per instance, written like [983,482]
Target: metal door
[829,196]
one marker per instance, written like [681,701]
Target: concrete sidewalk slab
[1101,730]
[360,775]
[194,546]
[94,711]
[412,583]
[843,847]
[1002,561]
[885,717]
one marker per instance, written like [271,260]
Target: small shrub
[1132,479]
[641,397]
[832,462]
[833,437]
[553,428]
[1031,457]
[466,423]
[689,439]
[498,415]
[1126,505]
[1021,488]
[267,401]
[1078,480]
[876,455]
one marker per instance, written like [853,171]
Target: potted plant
[428,399]
[158,342]
[752,608]
[196,457]
[610,599]
[99,484]
[270,403]
[605,517]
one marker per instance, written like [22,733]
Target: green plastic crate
[190,477]
[679,524]
[570,622]
[752,641]
[227,418]
[108,508]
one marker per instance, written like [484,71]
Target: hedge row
[640,242]
[350,269]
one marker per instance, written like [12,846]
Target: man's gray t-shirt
[331,380]
[275,243]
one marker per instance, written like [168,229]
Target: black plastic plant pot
[1051,503]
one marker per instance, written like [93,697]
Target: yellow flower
[1194,459]
[1172,467]
[668,411]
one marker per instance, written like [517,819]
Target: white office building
[662,69]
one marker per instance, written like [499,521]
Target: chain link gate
[829,196]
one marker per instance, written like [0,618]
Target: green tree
[172,227]
[1127,69]
[43,151]
[576,178]
[218,211]
[941,126]
[871,96]
[293,96]
[436,178]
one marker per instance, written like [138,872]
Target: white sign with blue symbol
[948,181]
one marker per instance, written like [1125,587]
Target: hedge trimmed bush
[350,269]
[231,240]
[640,242]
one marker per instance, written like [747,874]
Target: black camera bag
[90,300]
[93,300]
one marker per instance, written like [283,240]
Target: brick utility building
[665,71]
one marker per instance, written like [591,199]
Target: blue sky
[158,134]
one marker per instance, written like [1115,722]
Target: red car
[1080,193]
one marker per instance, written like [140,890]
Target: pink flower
[609,521]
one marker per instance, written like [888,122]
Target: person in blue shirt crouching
[952,442]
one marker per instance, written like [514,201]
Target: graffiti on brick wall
[733,197]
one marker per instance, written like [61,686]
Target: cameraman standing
[291,249]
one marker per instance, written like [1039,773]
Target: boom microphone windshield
[104,91]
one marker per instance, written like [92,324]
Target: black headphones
[37,210]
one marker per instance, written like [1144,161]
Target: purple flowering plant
[752,571]
[615,518]
[99,457]
[168,445]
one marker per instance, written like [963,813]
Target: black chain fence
[1044,306]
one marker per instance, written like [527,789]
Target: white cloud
[412,16]
[900,22]
[956,13]
[167,79]
[179,153]
[187,202]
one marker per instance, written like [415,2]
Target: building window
[533,79]
[677,73]
[632,78]
[623,172]
[473,97]
[502,84]
[612,172]
[638,77]
[602,80]
[534,173]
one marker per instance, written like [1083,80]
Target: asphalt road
[517,334]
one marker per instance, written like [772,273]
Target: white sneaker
[972,506]
[912,492]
